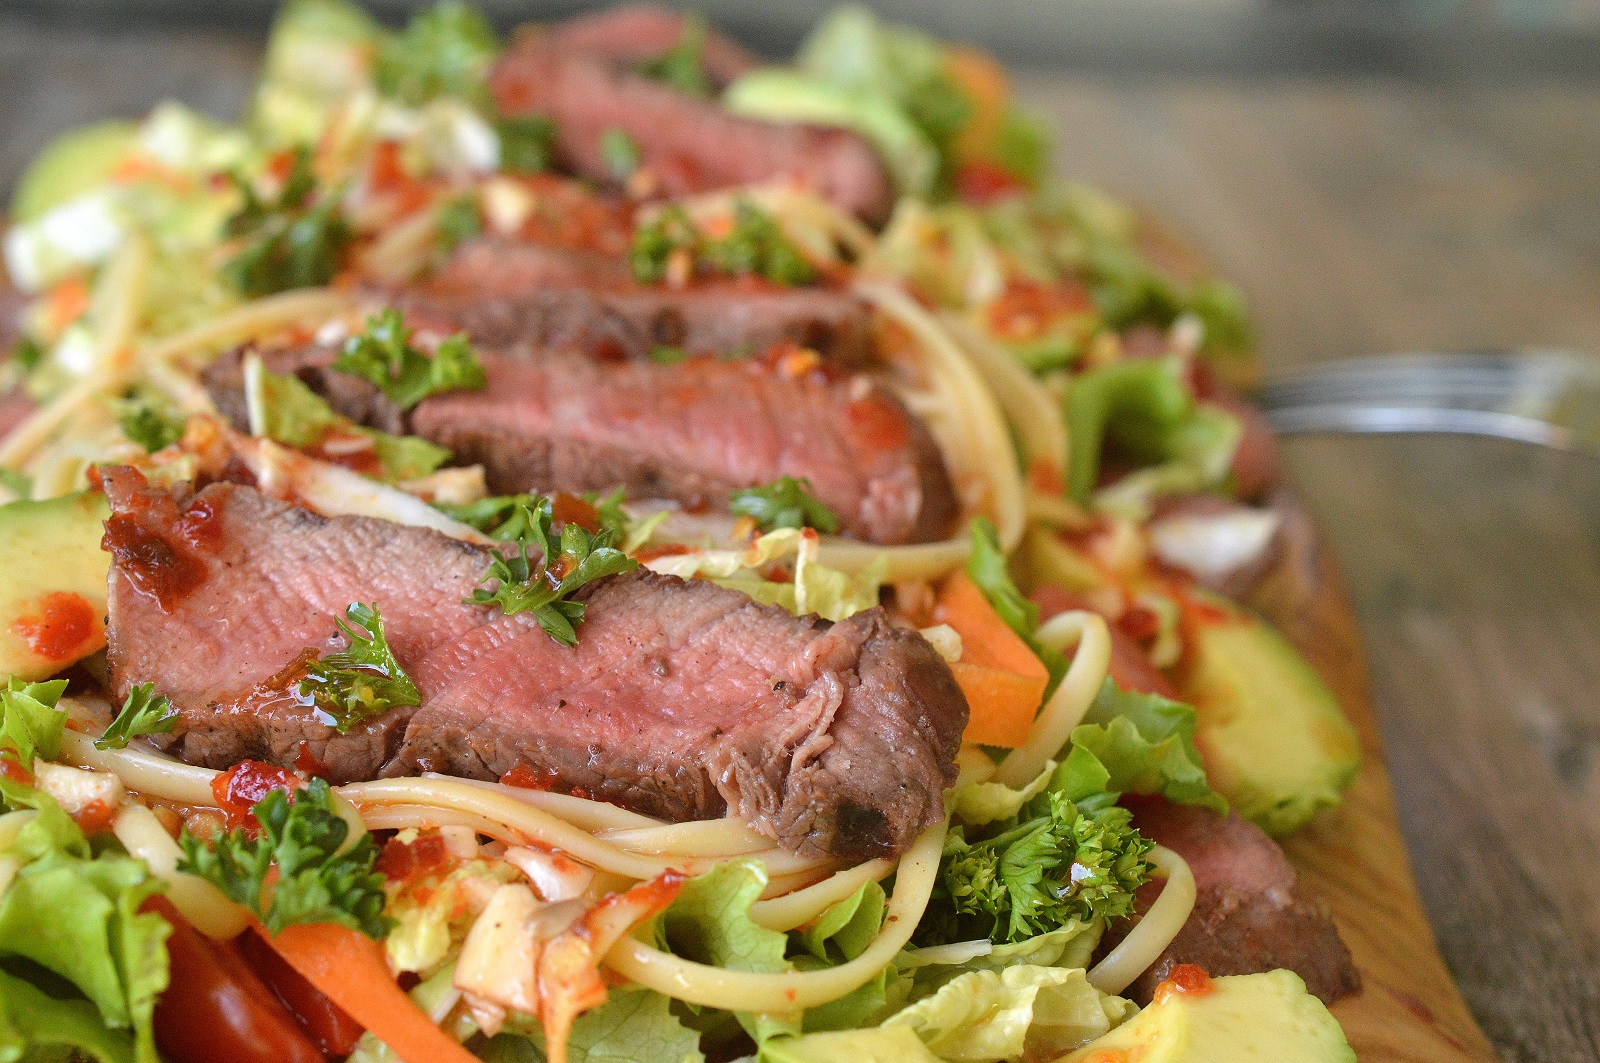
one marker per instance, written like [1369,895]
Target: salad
[589,546]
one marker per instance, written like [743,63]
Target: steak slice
[504,292]
[682,700]
[638,33]
[693,432]
[686,144]
[1250,914]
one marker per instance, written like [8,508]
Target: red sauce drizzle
[650,553]
[308,763]
[95,818]
[402,862]
[155,567]
[239,788]
[201,526]
[527,777]
[13,769]
[61,627]
[980,182]
[878,423]
[570,509]
[1185,978]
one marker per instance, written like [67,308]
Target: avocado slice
[1273,738]
[74,163]
[52,584]
[1268,1017]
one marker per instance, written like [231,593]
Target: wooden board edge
[1354,858]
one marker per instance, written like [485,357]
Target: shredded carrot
[66,303]
[349,968]
[982,80]
[1003,680]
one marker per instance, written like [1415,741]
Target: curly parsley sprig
[293,241]
[546,569]
[383,355]
[302,836]
[143,713]
[363,680]
[784,503]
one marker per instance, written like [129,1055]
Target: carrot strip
[1003,680]
[349,968]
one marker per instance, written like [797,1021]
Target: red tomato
[327,1024]
[215,1008]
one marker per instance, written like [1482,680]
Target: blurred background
[1376,177]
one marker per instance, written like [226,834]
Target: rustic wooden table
[1359,217]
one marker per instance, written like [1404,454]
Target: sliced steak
[682,700]
[1250,914]
[510,291]
[693,432]
[638,33]
[686,144]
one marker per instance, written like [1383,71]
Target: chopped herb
[527,143]
[542,583]
[316,883]
[28,353]
[363,680]
[150,427]
[682,66]
[505,517]
[143,713]
[458,220]
[383,355]
[755,244]
[446,51]
[620,154]
[662,355]
[784,503]
[294,242]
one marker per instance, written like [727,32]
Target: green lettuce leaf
[445,51]
[633,1026]
[30,724]
[1140,744]
[1020,1012]
[841,934]
[1070,945]
[37,1026]
[77,915]
[979,803]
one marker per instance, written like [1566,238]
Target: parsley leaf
[458,220]
[527,143]
[383,355]
[620,153]
[541,583]
[149,426]
[293,242]
[754,244]
[784,503]
[316,882]
[28,353]
[143,713]
[682,65]
[363,680]
[1076,855]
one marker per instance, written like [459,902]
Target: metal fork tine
[1550,397]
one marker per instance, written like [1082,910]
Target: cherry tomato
[327,1024]
[215,1008]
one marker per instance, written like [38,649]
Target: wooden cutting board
[1409,1010]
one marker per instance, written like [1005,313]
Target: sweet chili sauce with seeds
[63,623]
[239,788]
[1186,979]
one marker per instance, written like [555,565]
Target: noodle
[1035,415]
[992,450]
[802,906]
[791,991]
[257,318]
[205,906]
[710,837]
[592,816]
[1072,698]
[151,774]
[1155,930]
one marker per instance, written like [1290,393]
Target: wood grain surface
[1359,216]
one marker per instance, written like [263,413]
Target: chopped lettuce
[320,53]
[880,1044]
[814,588]
[1137,743]
[838,935]
[445,51]
[30,723]
[432,921]
[978,803]
[76,915]
[1070,945]
[1022,1011]
[632,1026]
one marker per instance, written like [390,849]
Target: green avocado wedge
[74,163]
[52,584]
[1273,738]
[1250,1018]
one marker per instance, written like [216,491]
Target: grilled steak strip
[1249,913]
[638,33]
[692,432]
[682,700]
[686,144]
[504,292]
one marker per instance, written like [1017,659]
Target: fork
[1536,395]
